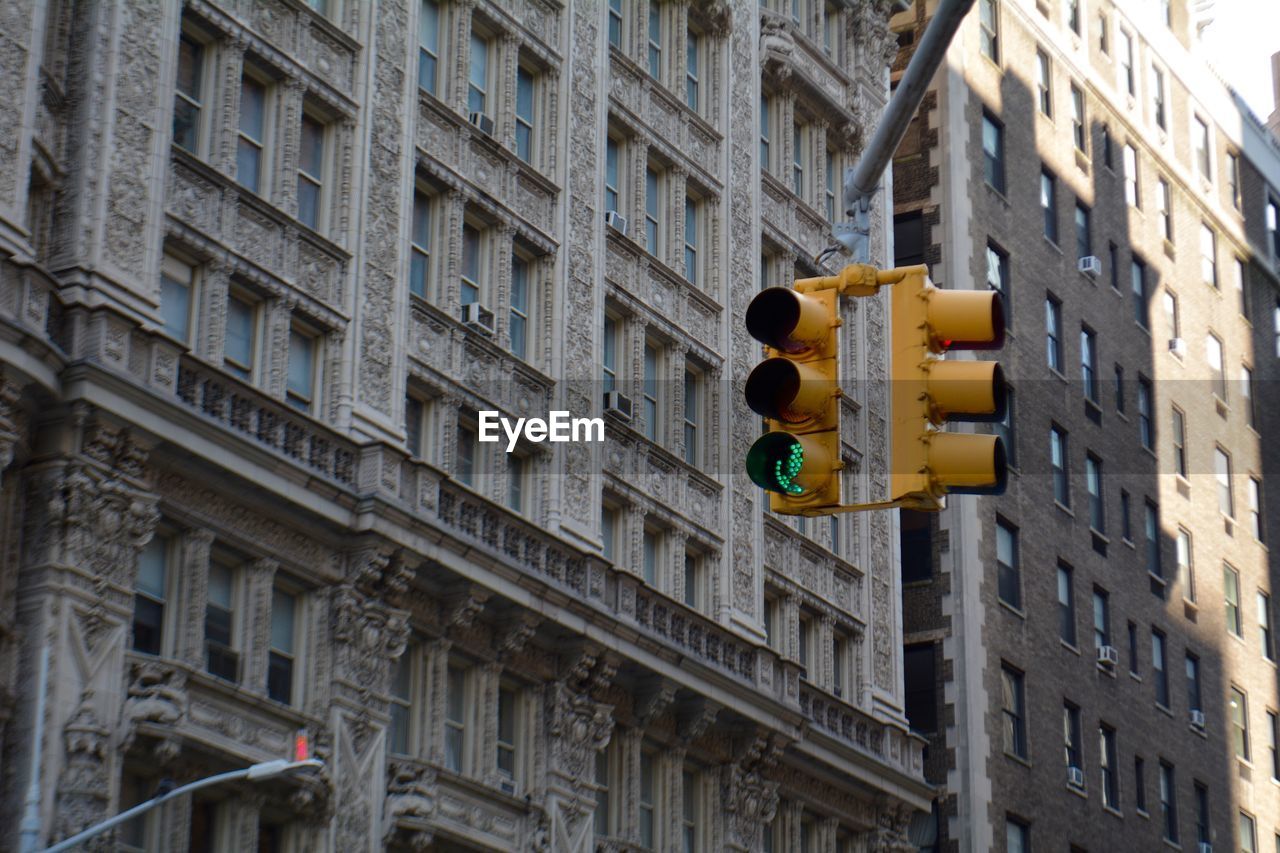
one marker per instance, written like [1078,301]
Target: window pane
[301,382]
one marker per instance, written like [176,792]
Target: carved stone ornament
[579,726]
[411,797]
[368,636]
[890,834]
[83,786]
[105,523]
[157,693]
[750,800]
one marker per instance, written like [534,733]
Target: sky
[1239,44]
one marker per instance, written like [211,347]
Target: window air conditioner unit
[615,220]
[483,122]
[1090,266]
[1178,346]
[1205,847]
[1108,655]
[617,404]
[508,786]
[1197,718]
[1075,777]
[477,317]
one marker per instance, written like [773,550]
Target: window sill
[1017,758]
[1021,614]
[1071,647]
[1082,793]
[1165,709]
[1114,812]
[1142,813]
[1124,540]
[1064,508]
[1135,676]
[1059,374]
[1100,535]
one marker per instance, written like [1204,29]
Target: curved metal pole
[264,770]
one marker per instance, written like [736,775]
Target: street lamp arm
[263,770]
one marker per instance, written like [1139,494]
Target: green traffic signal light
[774,462]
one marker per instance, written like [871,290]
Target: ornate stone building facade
[261,264]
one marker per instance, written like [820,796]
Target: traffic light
[795,388]
[927,391]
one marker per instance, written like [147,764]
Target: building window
[1044,83]
[1126,528]
[250,156]
[151,596]
[1202,813]
[1186,568]
[1139,784]
[1133,648]
[1213,355]
[518,323]
[1079,130]
[829,192]
[1193,683]
[188,98]
[1151,527]
[611,175]
[609,533]
[428,45]
[478,75]
[177,288]
[221,658]
[764,133]
[1104,44]
[1127,77]
[692,416]
[508,711]
[469,287]
[1157,97]
[1239,723]
[241,344]
[1132,190]
[1242,294]
[989,22]
[649,547]
[1108,761]
[1009,581]
[415,426]
[1255,509]
[1053,332]
[1049,206]
[651,391]
[1138,283]
[1158,660]
[1165,202]
[693,581]
[1071,736]
[1273,230]
[1101,618]
[283,652]
[1089,363]
[1179,442]
[992,149]
[652,203]
[300,386]
[655,40]
[1119,380]
[1222,473]
[1014,711]
[517,468]
[1017,836]
[1233,179]
[691,71]
[310,172]
[1005,430]
[602,778]
[1248,838]
[1203,156]
[1208,255]
[1146,430]
[615,23]
[455,719]
[1231,598]
[799,159]
[1058,462]
[465,466]
[648,798]
[998,274]
[1093,481]
[398,732]
[1168,802]
[1171,313]
[609,356]
[1084,237]
[689,811]
[1273,728]
[920,687]
[1066,606]
[1246,393]
[1264,625]
[691,239]
[420,246]
[524,113]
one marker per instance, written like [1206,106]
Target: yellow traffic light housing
[928,391]
[796,389]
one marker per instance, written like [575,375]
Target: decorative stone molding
[749,800]
[83,784]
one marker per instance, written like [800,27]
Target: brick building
[1092,654]
[261,264]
